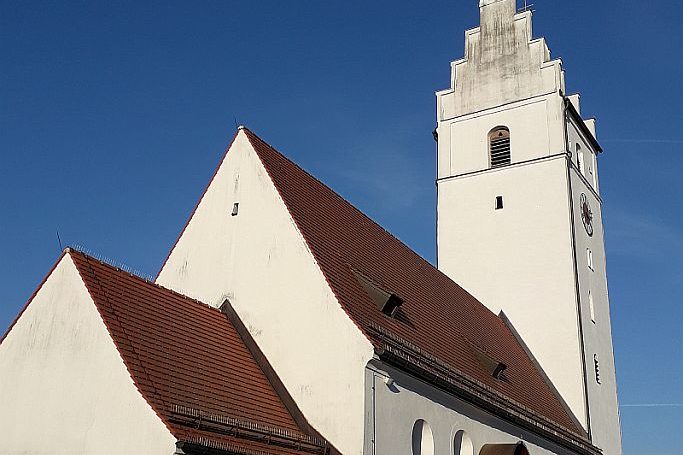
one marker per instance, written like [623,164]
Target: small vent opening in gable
[387,302]
[495,368]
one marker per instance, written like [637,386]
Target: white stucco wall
[64,388]
[261,263]
[519,259]
[590,160]
[536,130]
[597,332]
[528,259]
[409,399]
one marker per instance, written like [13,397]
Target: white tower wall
[530,257]
[519,259]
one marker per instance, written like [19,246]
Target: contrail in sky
[653,405]
[644,141]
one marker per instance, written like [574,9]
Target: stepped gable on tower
[502,63]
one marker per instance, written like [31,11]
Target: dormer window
[494,367]
[386,302]
[499,147]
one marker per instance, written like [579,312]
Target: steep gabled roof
[194,367]
[438,322]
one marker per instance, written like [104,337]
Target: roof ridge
[251,134]
[138,277]
[155,392]
[360,212]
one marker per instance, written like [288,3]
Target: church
[285,321]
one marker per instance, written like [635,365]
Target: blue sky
[113,116]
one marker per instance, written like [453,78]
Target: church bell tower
[520,213]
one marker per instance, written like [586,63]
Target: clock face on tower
[586,215]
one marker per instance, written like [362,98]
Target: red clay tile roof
[438,317]
[190,363]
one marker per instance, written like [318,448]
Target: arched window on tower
[594,171]
[580,162]
[499,146]
[596,363]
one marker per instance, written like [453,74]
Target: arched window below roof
[462,444]
[499,146]
[423,441]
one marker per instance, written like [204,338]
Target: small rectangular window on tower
[235,208]
[499,202]
[591,306]
[596,362]
[589,258]
[579,159]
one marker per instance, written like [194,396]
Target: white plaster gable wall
[394,410]
[519,259]
[261,263]
[64,388]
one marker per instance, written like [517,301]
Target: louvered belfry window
[499,147]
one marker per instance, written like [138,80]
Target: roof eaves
[541,371]
[212,428]
[410,358]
